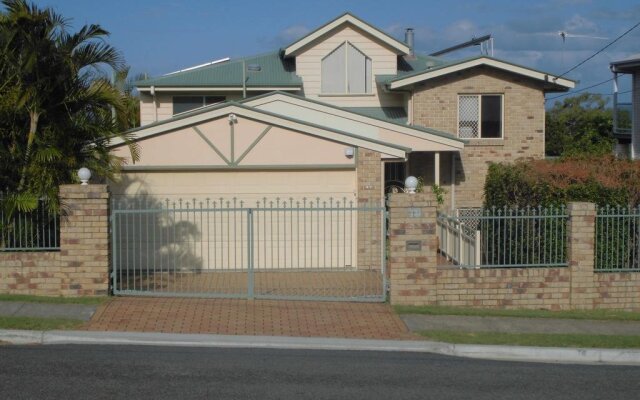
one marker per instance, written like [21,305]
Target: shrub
[603,180]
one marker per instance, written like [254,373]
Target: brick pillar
[370,181]
[413,248]
[581,232]
[84,240]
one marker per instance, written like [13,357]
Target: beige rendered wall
[245,144]
[383,61]
[436,106]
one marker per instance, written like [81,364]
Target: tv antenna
[564,35]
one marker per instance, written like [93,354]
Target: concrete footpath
[503,353]
[304,325]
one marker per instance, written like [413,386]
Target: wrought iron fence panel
[617,242]
[504,237]
[37,230]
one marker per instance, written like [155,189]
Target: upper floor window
[346,70]
[480,116]
[187,103]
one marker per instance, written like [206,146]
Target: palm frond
[92,54]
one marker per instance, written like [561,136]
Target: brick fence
[81,267]
[416,279]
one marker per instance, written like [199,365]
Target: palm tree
[56,112]
[129,117]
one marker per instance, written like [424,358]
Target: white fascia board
[220,89]
[266,118]
[402,48]
[408,130]
[483,61]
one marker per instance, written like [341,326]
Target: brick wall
[412,267]
[617,290]
[534,288]
[81,267]
[435,105]
[416,279]
[581,231]
[370,193]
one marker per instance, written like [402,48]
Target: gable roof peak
[294,48]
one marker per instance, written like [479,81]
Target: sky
[161,36]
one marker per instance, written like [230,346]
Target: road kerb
[490,352]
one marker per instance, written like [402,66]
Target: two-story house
[626,116]
[342,112]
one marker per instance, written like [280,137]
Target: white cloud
[581,25]
[292,33]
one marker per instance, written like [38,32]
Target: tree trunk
[33,127]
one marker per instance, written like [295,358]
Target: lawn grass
[535,339]
[54,300]
[486,312]
[39,324]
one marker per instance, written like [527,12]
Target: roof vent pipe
[408,39]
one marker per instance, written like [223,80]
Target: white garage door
[248,186]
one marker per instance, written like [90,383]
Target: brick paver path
[245,317]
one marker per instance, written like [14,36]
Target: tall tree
[582,124]
[56,112]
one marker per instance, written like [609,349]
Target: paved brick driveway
[245,317]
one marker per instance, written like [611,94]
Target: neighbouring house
[626,116]
[343,112]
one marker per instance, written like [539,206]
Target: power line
[599,51]
[626,91]
[601,94]
[578,91]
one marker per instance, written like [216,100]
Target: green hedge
[601,180]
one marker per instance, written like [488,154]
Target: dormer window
[346,70]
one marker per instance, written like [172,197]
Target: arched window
[346,70]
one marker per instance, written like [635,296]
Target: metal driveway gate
[294,249]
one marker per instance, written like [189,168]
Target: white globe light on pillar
[84,174]
[410,184]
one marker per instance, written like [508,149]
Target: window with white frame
[187,103]
[346,70]
[480,116]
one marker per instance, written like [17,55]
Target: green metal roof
[391,114]
[418,63]
[275,72]
[412,65]
[429,63]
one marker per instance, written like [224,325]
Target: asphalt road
[146,372]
